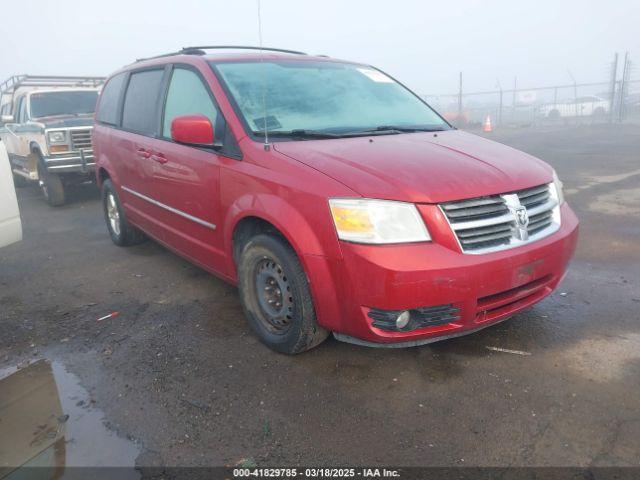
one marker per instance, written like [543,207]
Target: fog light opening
[403,320]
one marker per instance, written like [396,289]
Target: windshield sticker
[272,123]
[375,75]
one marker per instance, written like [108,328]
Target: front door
[186,179]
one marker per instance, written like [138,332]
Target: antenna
[267,147]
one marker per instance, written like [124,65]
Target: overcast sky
[422,43]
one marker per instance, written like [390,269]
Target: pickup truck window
[47,104]
[18,114]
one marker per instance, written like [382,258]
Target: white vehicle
[579,107]
[10,224]
[47,130]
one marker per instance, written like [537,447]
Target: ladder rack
[16,81]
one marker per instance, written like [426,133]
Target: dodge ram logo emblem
[522,221]
[522,217]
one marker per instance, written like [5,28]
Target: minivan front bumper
[481,289]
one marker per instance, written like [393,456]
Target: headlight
[377,221]
[58,136]
[557,185]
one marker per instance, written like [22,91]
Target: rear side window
[108,109]
[187,95]
[141,102]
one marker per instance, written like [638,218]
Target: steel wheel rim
[113,214]
[275,298]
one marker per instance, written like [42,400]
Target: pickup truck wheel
[121,231]
[51,186]
[276,297]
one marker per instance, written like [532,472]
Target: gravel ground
[179,373]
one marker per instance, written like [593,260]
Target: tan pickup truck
[46,127]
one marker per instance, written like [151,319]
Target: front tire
[51,186]
[121,231]
[276,297]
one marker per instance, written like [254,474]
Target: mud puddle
[48,420]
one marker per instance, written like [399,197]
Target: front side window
[139,112]
[48,104]
[187,95]
[322,96]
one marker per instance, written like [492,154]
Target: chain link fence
[615,101]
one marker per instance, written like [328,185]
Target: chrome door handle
[141,152]
[159,157]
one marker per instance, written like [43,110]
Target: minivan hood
[422,167]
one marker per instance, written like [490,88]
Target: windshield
[323,96]
[48,104]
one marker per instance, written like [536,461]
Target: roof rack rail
[238,47]
[200,50]
[16,81]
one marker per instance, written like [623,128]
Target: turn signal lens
[351,220]
[59,148]
[377,221]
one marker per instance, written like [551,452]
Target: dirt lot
[182,381]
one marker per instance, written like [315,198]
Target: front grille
[498,222]
[420,317]
[540,221]
[81,139]
[532,197]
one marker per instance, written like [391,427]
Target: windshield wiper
[300,133]
[381,130]
[398,129]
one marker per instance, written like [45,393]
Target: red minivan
[335,198]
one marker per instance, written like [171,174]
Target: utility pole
[626,73]
[500,107]
[460,101]
[612,88]
[575,92]
[513,101]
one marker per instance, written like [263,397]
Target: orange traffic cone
[486,127]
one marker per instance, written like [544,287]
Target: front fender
[316,257]
[34,147]
[281,214]
[103,163]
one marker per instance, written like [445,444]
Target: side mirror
[195,130]
[6,119]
